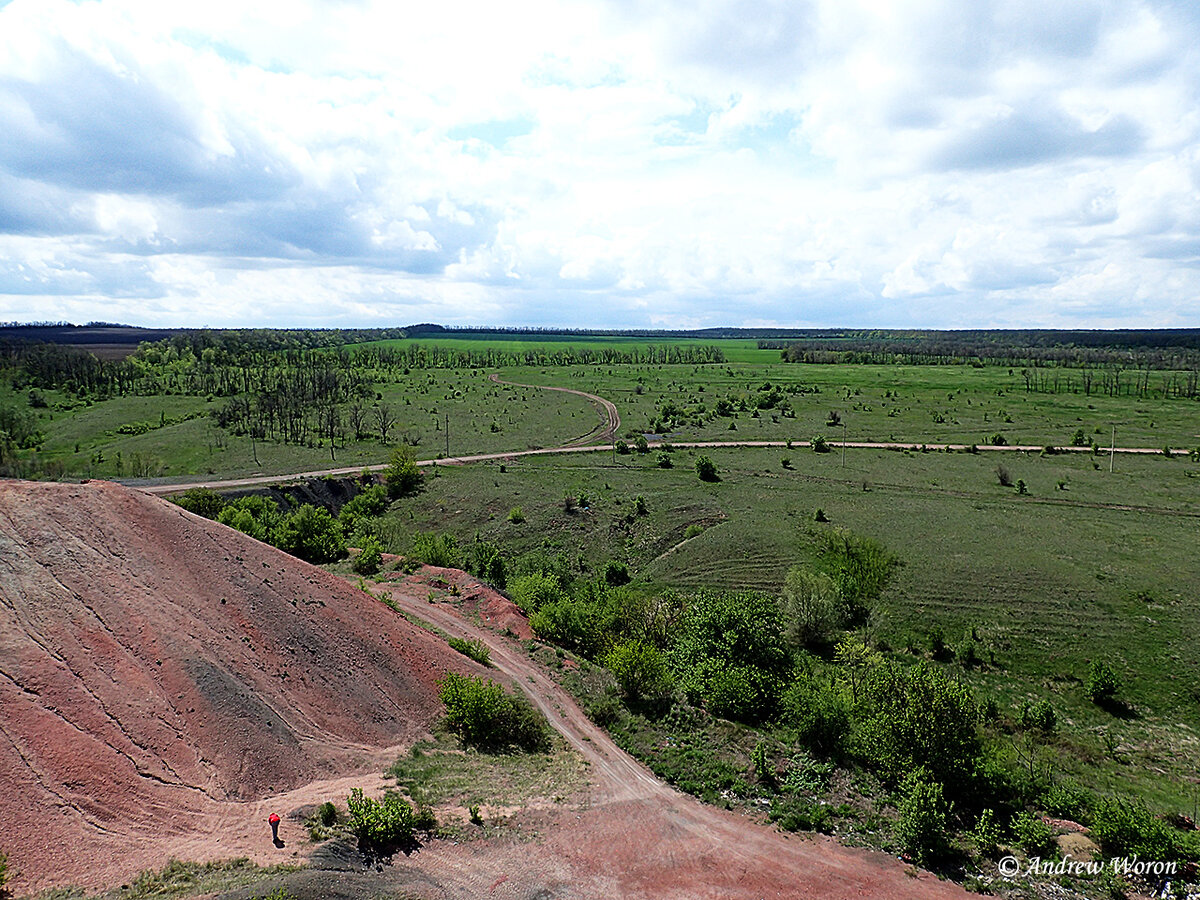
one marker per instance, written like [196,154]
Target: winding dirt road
[637,837]
[605,431]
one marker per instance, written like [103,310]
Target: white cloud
[922,162]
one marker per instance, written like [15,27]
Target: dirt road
[605,431]
[637,837]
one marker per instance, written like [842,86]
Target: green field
[1049,580]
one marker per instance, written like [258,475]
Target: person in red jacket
[274,820]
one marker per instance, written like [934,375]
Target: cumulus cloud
[601,162]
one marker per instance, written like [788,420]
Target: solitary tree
[706,469]
[402,476]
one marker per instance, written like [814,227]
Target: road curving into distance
[602,433]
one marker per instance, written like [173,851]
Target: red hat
[273,818]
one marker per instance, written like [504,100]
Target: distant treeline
[1152,349]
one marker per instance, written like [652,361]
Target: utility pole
[843,445]
[447,435]
[1112,449]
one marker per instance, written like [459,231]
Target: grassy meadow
[1100,568]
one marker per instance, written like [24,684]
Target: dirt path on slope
[610,418]
[637,837]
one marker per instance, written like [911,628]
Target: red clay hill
[156,666]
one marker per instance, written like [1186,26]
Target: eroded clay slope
[154,664]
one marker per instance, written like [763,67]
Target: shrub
[1103,683]
[369,558]
[476,650]
[623,448]
[640,444]
[706,469]
[998,440]
[487,718]
[1032,835]
[3,873]
[516,515]
[819,444]
[664,461]
[201,501]
[918,717]
[486,561]
[434,549]
[693,530]
[1126,828]
[639,668]
[730,653]
[532,592]
[861,567]
[327,814]
[817,714]
[1004,476]
[381,827]
[369,503]
[792,813]
[312,534]
[402,476]
[1069,801]
[986,834]
[616,573]
[921,828]
[811,604]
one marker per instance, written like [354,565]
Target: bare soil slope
[158,671]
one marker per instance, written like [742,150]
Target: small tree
[1103,683]
[639,669]
[810,606]
[369,557]
[706,469]
[921,829]
[402,477]
[381,827]
[312,534]
[489,719]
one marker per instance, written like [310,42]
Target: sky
[601,163]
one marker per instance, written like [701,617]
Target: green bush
[692,531]
[793,813]
[917,716]
[924,812]
[819,444]
[368,504]
[817,714]
[986,834]
[486,561]
[1127,827]
[381,827]
[730,654]
[861,568]
[532,592]
[327,814]
[3,873]
[706,469]
[811,607]
[616,573]
[639,668]
[434,549]
[477,650]
[369,558]
[578,625]
[487,718]
[402,476]
[201,501]
[1068,800]
[1032,835]
[253,515]
[516,515]
[312,534]
[1103,683]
